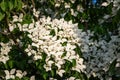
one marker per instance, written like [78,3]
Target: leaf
[78,51]
[15,3]
[64,54]
[2,73]
[6,66]
[16,32]
[52,2]
[10,63]
[25,78]
[84,76]
[74,62]
[109,8]
[45,76]
[68,65]
[52,72]
[3,5]
[52,32]
[1,16]
[19,5]
[112,67]
[27,19]
[10,4]
[64,43]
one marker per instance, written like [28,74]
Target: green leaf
[68,65]
[10,4]
[10,63]
[1,16]
[52,2]
[64,54]
[45,76]
[37,63]
[112,67]
[27,19]
[3,5]
[16,31]
[84,76]
[2,73]
[74,62]
[52,32]
[25,78]
[15,3]
[64,43]
[6,66]
[19,5]
[78,51]
[52,72]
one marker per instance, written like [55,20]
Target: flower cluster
[100,53]
[14,73]
[56,38]
[4,50]
[62,42]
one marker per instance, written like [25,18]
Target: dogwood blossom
[4,50]
[14,73]
[57,39]
[99,54]
[54,38]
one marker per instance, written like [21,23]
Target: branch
[6,34]
[33,3]
[23,11]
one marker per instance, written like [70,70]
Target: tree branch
[33,3]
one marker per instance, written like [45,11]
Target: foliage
[94,39]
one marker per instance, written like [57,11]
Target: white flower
[36,57]
[19,73]
[31,26]
[66,36]
[67,5]
[104,4]
[71,78]
[106,16]
[47,68]
[52,79]
[4,59]
[36,13]
[15,18]
[12,71]
[4,50]
[49,63]
[72,1]
[60,72]
[9,75]
[32,78]
[58,65]
[57,5]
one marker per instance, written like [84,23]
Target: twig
[33,3]
[23,11]
[6,34]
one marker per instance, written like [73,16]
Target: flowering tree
[59,39]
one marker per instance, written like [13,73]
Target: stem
[33,3]
[23,11]
[6,34]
